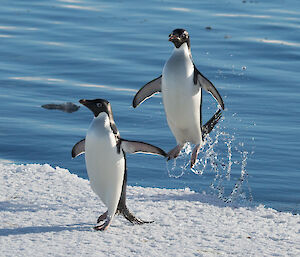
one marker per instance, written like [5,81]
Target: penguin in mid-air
[181,86]
[106,161]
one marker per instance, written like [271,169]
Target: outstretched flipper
[207,86]
[152,87]
[78,148]
[127,145]
[141,147]
[208,127]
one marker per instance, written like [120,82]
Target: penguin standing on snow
[181,85]
[106,161]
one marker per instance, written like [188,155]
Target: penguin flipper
[208,127]
[78,148]
[152,87]
[141,147]
[207,86]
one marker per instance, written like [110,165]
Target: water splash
[224,155]
[181,164]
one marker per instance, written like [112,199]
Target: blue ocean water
[64,50]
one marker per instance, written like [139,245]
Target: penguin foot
[103,226]
[102,217]
[174,152]
[130,217]
[194,155]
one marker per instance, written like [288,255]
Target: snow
[47,211]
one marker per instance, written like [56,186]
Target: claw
[127,215]
[102,217]
[103,226]
[134,220]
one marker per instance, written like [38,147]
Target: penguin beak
[94,105]
[90,106]
[83,101]
[86,103]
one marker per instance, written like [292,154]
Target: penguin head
[97,106]
[179,37]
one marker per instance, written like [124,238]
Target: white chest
[177,78]
[178,69]
[181,97]
[105,167]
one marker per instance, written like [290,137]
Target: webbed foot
[102,217]
[103,226]
[134,220]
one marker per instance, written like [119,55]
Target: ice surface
[47,211]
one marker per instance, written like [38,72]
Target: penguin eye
[99,105]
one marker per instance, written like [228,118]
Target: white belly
[105,167]
[181,98]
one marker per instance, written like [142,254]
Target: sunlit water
[62,51]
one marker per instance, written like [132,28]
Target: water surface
[62,51]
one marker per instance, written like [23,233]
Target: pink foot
[194,155]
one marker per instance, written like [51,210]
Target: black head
[97,106]
[179,36]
